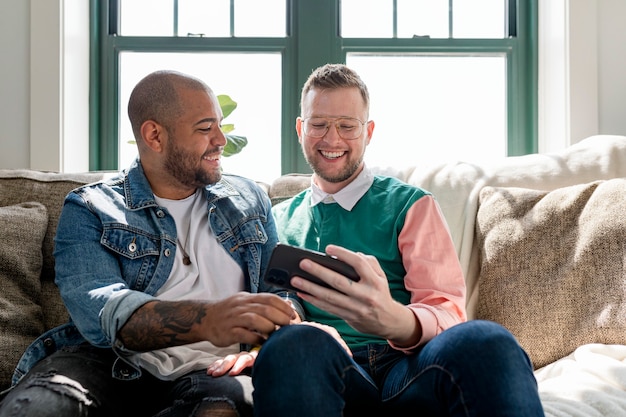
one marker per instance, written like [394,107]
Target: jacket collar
[139,194]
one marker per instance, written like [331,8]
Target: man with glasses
[410,350]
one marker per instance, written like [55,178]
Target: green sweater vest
[372,227]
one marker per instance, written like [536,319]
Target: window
[447,78]
[257,116]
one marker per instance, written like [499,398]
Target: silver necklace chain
[186,258]
[183,248]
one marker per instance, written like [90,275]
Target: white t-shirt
[212,275]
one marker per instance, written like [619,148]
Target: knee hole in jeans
[215,409]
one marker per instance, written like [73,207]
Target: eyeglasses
[347,127]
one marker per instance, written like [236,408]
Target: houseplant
[234,143]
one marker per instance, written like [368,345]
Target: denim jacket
[115,247]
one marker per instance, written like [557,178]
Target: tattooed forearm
[161,324]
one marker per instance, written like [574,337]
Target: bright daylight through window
[429,102]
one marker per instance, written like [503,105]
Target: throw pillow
[23,227]
[552,265]
[287,186]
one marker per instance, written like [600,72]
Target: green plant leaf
[234,144]
[227,104]
[227,128]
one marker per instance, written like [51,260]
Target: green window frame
[313,39]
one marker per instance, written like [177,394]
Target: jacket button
[160,214]
[167,252]
[48,344]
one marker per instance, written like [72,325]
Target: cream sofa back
[30,302]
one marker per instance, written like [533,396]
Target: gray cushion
[23,228]
[552,265]
[287,186]
[50,189]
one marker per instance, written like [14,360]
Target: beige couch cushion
[23,227]
[287,186]
[552,265]
[50,189]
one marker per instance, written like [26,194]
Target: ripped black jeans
[79,383]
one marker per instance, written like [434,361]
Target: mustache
[217,149]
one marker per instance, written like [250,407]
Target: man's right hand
[242,318]
[247,318]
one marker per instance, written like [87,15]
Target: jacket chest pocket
[137,251]
[131,244]
[250,231]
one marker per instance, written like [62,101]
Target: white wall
[568,72]
[44,78]
[14,84]
[44,84]
[582,59]
[612,66]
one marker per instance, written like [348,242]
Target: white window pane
[367,18]
[434,108]
[479,19]
[136,19]
[258,112]
[254,18]
[201,17]
[423,18]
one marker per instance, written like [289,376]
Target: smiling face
[176,121]
[335,161]
[195,141]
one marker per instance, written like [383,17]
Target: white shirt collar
[349,195]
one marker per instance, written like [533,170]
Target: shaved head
[156,98]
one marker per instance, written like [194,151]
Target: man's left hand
[366,305]
[232,364]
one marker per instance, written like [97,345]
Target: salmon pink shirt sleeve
[433,273]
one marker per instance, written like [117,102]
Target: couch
[541,239]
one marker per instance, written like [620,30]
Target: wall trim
[59,80]
[568,72]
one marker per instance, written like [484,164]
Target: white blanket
[591,382]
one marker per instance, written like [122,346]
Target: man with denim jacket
[161,271]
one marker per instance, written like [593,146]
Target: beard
[346,172]
[187,168]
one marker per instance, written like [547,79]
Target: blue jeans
[472,369]
[78,383]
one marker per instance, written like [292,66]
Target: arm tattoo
[161,324]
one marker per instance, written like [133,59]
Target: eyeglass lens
[347,128]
